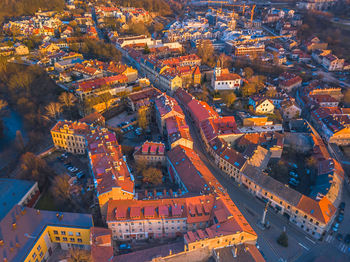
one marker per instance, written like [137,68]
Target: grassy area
[46,202]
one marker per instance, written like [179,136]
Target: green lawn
[46,202]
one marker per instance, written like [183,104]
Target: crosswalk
[342,247]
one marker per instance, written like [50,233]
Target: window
[63,233]
[72,239]
[64,239]
[80,240]
[58,238]
[70,234]
[55,232]
[38,248]
[78,234]
[41,253]
[34,255]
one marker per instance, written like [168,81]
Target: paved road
[301,246]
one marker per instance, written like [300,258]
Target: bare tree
[61,188]
[67,99]
[3,104]
[53,111]
[79,255]
[153,175]
[34,168]
[142,117]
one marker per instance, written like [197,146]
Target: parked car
[73,169]
[340,237]
[335,227]
[293,183]
[347,239]
[80,174]
[124,246]
[293,174]
[340,218]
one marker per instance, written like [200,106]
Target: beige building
[151,153]
[70,136]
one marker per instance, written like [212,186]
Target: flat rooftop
[12,191]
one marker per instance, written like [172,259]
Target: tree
[153,175]
[79,255]
[223,60]
[3,105]
[53,111]
[206,52]
[271,92]
[142,117]
[346,98]
[283,239]
[67,100]
[248,72]
[157,27]
[146,50]
[34,168]
[61,188]
[138,28]
[19,141]
[141,166]
[229,98]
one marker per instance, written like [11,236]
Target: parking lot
[121,120]
[80,182]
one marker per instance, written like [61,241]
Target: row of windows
[151,229]
[150,223]
[71,239]
[77,138]
[63,142]
[226,83]
[63,233]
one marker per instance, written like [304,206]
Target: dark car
[342,206]
[340,218]
[340,237]
[347,239]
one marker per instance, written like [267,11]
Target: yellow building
[31,235]
[70,136]
[48,48]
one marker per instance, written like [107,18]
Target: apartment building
[332,63]
[28,234]
[166,107]
[152,153]
[17,192]
[112,176]
[70,136]
[243,50]
[231,162]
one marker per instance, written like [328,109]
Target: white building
[224,80]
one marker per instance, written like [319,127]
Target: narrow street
[301,246]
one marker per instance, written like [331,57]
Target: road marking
[300,244]
[310,240]
[329,239]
